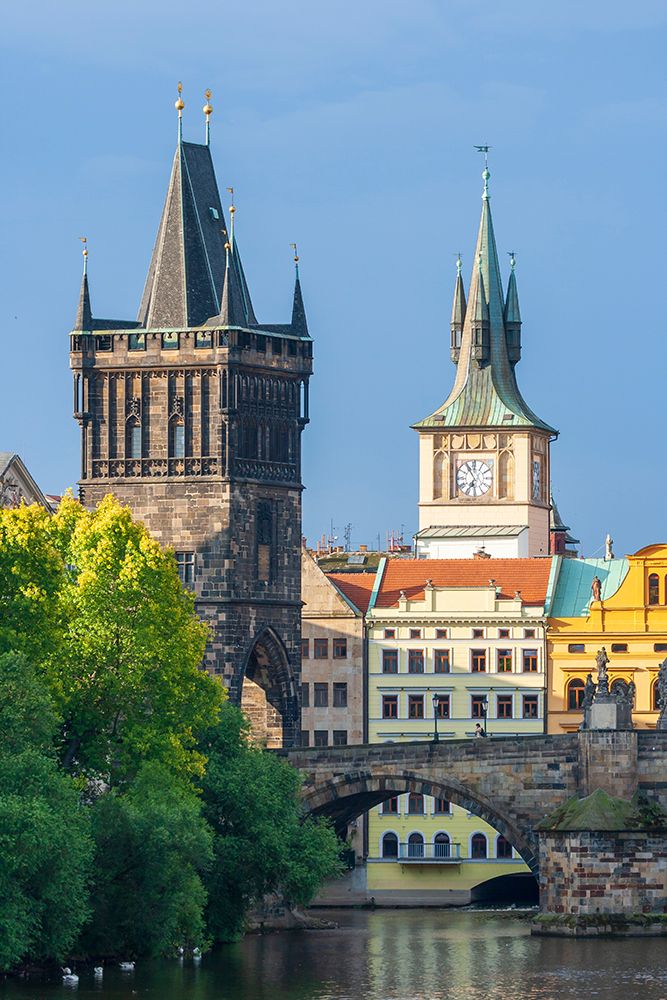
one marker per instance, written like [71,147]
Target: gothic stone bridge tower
[192,415]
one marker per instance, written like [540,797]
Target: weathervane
[296,257]
[485,172]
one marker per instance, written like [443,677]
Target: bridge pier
[603,853]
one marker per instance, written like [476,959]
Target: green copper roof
[572,593]
[485,393]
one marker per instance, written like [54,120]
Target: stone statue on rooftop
[608,547]
[596,588]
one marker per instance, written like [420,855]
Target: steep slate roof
[486,393]
[573,594]
[530,576]
[356,587]
[187,269]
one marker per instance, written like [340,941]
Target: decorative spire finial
[512,257]
[459,264]
[232,210]
[179,104]
[485,173]
[296,258]
[84,240]
[208,111]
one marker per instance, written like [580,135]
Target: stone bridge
[512,783]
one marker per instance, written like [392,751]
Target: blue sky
[349,128]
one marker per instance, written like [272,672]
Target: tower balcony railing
[438,853]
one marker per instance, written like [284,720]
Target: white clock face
[474,478]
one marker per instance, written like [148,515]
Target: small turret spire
[299,322]
[208,111]
[84,314]
[458,312]
[179,104]
[512,315]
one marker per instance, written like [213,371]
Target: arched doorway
[268,692]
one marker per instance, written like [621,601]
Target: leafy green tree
[261,844]
[32,572]
[99,606]
[152,848]
[45,843]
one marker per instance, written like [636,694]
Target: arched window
[575,694]
[503,847]
[441,845]
[653,589]
[478,846]
[390,845]
[133,439]
[177,439]
[415,845]
[416,804]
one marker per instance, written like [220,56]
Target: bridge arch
[346,796]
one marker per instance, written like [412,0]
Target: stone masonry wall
[586,873]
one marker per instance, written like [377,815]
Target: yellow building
[453,643]
[629,620]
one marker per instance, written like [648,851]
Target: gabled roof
[485,393]
[530,576]
[187,268]
[356,587]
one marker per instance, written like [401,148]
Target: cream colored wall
[458,610]
[326,615]
[489,510]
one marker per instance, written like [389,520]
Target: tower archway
[268,692]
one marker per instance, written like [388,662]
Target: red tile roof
[530,576]
[357,587]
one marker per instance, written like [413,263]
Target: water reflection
[391,955]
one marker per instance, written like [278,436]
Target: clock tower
[484,454]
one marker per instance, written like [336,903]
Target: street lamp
[485,711]
[436,702]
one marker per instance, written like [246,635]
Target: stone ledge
[613,925]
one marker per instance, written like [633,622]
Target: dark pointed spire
[299,321]
[479,318]
[512,316]
[84,314]
[187,268]
[458,312]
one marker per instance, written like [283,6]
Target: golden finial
[84,240]
[296,254]
[179,104]
[232,209]
[208,111]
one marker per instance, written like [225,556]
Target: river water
[390,955]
